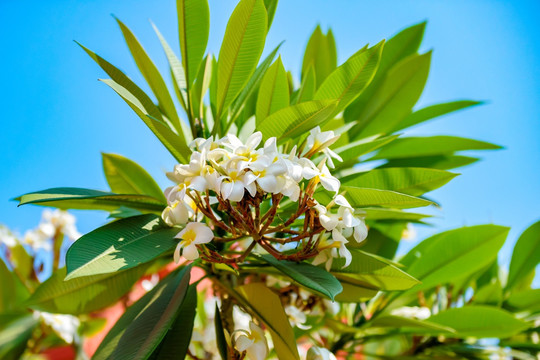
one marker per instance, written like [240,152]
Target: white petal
[190,252]
[177,253]
[341,201]
[243,343]
[237,192]
[269,184]
[328,222]
[330,183]
[360,232]
[254,140]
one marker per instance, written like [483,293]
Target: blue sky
[57,118]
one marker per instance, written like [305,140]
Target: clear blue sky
[57,118]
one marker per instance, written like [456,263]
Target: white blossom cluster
[53,222]
[230,168]
[65,326]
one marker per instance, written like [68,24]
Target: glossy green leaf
[127,177]
[393,214]
[372,272]
[14,336]
[409,325]
[411,181]
[454,254]
[143,107]
[307,88]
[83,295]
[441,162]
[321,54]
[221,342]
[271,6]
[152,77]
[395,98]
[400,46]
[266,306]
[489,294]
[139,331]
[295,120]
[307,275]
[176,342]
[433,111]
[429,146]
[526,255]
[201,86]
[177,70]
[77,198]
[240,51]
[193,30]
[365,197]
[353,293]
[347,81]
[527,300]
[273,92]
[351,151]
[480,321]
[120,245]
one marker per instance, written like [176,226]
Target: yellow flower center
[188,237]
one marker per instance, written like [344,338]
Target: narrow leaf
[526,255]
[273,92]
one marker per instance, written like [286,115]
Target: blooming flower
[253,343]
[317,353]
[7,238]
[193,234]
[65,326]
[318,141]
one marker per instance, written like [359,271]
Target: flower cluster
[234,188]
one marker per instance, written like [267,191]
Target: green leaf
[364,197]
[144,325]
[400,46]
[372,272]
[441,162]
[409,325]
[271,6]
[527,300]
[221,342]
[307,88]
[175,344]
[526,255]
[434,111]
[274,91]
[411,181]
[348,81]
[305,274]
[120,245]
[201,86]
[83,295]
[266,306]
[143,107]
[353,293]
[430,146]
[321,54]
[240,51]
[480,322]
[177,71]
[152,77]
[490,294]
[454,254]
[354,149]
[77,198]
[14,336]
[193,30]
[296,120]
[395,98]
[127,177]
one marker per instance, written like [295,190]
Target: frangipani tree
[291,243]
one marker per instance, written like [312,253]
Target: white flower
[58,221]
[253,343]
[37,240]
[297,317]
[176,214]
[193,234]
[412,312]
[7,238]
[322,173]
[233,184]
[333,248]
[320,141]
[317,353]
[65,326]
[269,177]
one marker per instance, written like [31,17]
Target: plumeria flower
[412,312]
[65,326]
[194,233]
[233,184]
[297,317]
[54,221]
[253,343]
[333,248]
[317,353]
[318,141]
[176,214]
[37,240]
[7,238]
